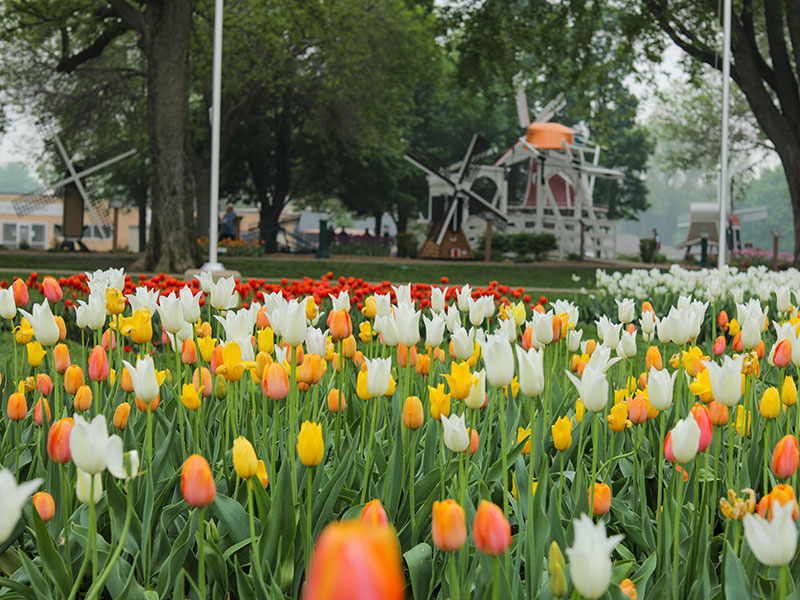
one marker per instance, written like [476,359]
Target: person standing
[227,230]
[657,239]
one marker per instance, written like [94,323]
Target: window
[25,234]
[90,232]
[10,234]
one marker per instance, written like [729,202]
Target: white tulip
[543,327]
[574,339]
[12,499]
[378,373]
[143,376]
[627,345]
[90,444]
[659,388]
[81,316]
[531,371]
[783,300]
[124,466]
[565,306]
[407,322]
[44,324]
[434,330]
[206,280]
[387,327]
[626,309]
[88,487]
[601,359]
[463,343]
[685,439]
[294,324]
[452,318]
[648,322]
[223,293]
[773,542]
[239,323]
[145,298]
[498,359]
[664,329]
[462,297]
[316,341]
[592,388]
[475,311]
[169,308]
[438,302]
[383,305]
[590,557]
[190,305]
[402,293]
[477,393]
[726,379]
[455,433]
[8,308]
[509,329]
[608,332]
[342,301]
[751,333]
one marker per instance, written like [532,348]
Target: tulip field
[335,439]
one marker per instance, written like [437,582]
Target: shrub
[407,245]
[647,249]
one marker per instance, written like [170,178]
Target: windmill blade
[551,109]
[478,146]
[423,162]
[483,203]
[523,114]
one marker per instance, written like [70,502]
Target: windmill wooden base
[454,246]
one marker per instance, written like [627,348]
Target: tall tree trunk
[202,192]
[378,216]
[271,211]
[165,43]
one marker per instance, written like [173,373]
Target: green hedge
[535,245]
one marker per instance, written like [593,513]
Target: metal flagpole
[213,263]
[725,184]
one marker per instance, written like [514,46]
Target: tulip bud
[220,388]
[148,406]
[98,364]
[58,441]
[602,499]
[785,458]
[88,487]
[404,354]
[374,514]
[474,441]
[629,589]
[83,398]
[522,434]
[45,505]
[637,409]
[789,391]
[262,320]
[245,460]
[17,408]
[718,413]
[770,406]
[555,567]
[261,473]
[275,383]
[423,366]
[722,320]
[781,355]
[20,290]
[310,445]
[413,414]
[491,529]
[579,410]
[197,482]
[108,341]
[760,351]
[562,433]
[37,411]
[340,324]
[737,344]
[35,353]
[44,384]
[449,529]
[719,346]
[121,415]
[653,359]
[61,358]
[333,400]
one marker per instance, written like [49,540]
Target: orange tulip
[216,358]
[737,344]
[718,413]
[403,355]
[311,370]
[333,401]
[783,354]
[647,307]
[340,324]
[45,505]
[423,366]
[703,419]
[784,494]
[786,457]
[653,358]
[602,499]
[474,441]
[719,346]
[527,338]
[44,384]
[52,290]
[207,385]
[413,413]
[629,589]
[276,382]
[17,408]
[20,291]
[126,383]
[61,358]
[637,409]
[98,364]
[83,398]
[37,411]
[349,346]
[121,415]
[188,352]
[759,350]
[152,405]
[449,527]
[197,482]
[354,560]
[722,320]
[108,341]
[58,441]
[491,529]
[374,514]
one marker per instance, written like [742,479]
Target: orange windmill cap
[548,135]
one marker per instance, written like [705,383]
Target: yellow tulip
[514,385]
[206,345]
[789,391]
[741,418]
[370,308]
[519,313]
[562,433]
[440,402]
[521,435]
[365,332]
[701,387]
[692,361]
[261,473]
[459,380]
[232,367]
[115,301]
[138,326]
[245,460]
[579,410]
[770,406]
[362,391]
[733,327]
[392,387]
[310,446]
[190,397]
[473,360]
[618,418]
[266,340]
[35,353]
[311,308]
[23,333]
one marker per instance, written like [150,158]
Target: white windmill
[74,203]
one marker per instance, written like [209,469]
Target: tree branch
[793,25]
[750,36]
[681,35]
[786,84]
[128,13]
[69,63]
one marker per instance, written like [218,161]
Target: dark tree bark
[771,87]
[272,204]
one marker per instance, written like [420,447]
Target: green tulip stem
[309,542]
[201,558]
[560,484]
[714,480]
[368,466]
[411,477]
[782,581]
[65,510]
[766,454]
[97,587]
[17,427]
[594,463]
[149,440]
[455,593]
[504,455]
[340,364]
[731,431]
[92,528]
[495,578]
[676,533]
